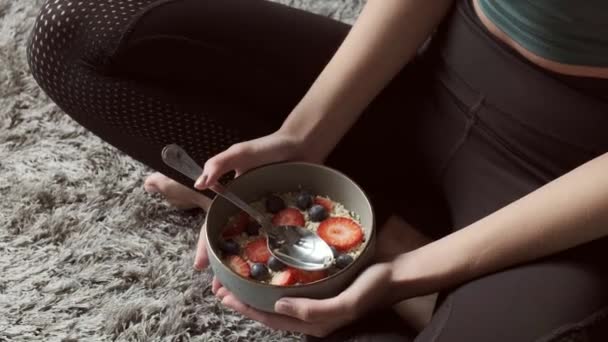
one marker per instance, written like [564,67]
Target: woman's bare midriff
[566,69]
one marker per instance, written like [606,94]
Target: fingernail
[200,183]
[198,265]
[285,307]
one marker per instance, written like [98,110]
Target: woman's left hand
[320,317]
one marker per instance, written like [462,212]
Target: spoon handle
[256,215]
[175,156]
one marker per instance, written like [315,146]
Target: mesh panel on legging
[69,46]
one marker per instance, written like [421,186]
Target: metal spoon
[295,246]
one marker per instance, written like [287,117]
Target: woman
[490,140]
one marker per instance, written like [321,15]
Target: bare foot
[399,237]
[175,193]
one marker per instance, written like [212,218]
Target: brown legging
[463,130]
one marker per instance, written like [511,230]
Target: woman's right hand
[240,157]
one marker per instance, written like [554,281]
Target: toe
[176,194]
[152,183]
[151,188]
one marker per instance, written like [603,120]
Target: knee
[58,27]
[68,34]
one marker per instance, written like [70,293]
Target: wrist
[369,290]
[405,279]
[431,268]
[306,139]
[420,273]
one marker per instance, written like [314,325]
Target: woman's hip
[492,127]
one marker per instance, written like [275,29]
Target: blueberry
[275,264]
[259,271]
[317,213]
[274,204]
[334,251]
[253,228]
[304,200]
[343,260]
[229,246]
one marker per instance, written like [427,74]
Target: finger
[201,259]
[215,285]
[357,297]
[312,310]
[273,321]
[201,182]
[222,163]
[364,292]
[222,292]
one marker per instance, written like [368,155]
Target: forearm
[565,213]
[385,37]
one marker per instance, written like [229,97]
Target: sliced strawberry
[341,232]
[238,265]
[257,251]
[236,225]
[325,203]
[287,277]
[288,217]
[305,277]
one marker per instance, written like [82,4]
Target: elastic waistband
[474,65]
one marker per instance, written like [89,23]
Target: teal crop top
[565,31]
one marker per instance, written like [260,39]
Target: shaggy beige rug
[85,253]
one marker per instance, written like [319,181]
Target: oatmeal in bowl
[244,248]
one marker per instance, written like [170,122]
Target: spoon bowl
[300,248]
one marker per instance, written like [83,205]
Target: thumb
[201,260]
[310,310]
[218,165]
